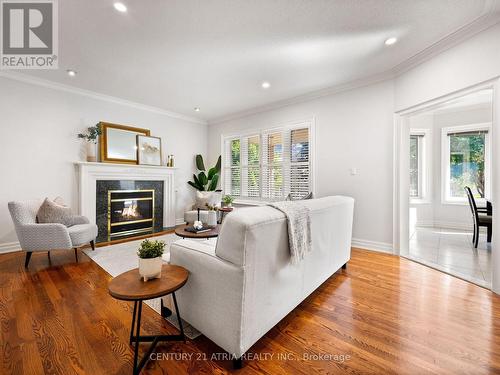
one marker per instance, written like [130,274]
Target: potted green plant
[90,136]
[227,201]
[150,261]
[206,181]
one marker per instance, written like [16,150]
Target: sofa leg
[344,266]
[237,363]
[92,244]
[27,260]
[76,254]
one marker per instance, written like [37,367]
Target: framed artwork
[118,143]
[148,150]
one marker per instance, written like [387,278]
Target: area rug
[119,258]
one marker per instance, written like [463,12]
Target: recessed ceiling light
[197,109]
[265,85]
[391,41]
[71,73]
[120,7]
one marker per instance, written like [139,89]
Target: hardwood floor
[384,314]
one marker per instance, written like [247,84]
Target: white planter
[91,152]
[212,218]
[150,268]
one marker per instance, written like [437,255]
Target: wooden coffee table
[182,232]
[129,287]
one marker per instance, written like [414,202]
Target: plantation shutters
[269,165]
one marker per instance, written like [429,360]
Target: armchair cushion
[212,198]
[82,234]
[40,237]
[52,212]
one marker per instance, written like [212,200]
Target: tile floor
[451,251]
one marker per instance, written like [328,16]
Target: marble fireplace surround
[90,173]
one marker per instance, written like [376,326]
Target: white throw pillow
[212,198]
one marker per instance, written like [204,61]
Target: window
[466,161]
[418,170]
[269,165]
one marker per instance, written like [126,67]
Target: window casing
[269,164]
[466,156]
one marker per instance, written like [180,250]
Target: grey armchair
[45,237]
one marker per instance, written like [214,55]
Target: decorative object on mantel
[227,201]
[150,261]
[148,150]
[205,182]
[118,143]
[91,137]
[170,161]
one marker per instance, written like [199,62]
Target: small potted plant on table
[150,261]
[227,201]
[90,136]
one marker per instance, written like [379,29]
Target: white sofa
[241,285]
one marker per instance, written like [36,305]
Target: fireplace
[129,208]
[130,212]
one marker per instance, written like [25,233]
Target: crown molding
[488,18]
[306,97]
[96,95]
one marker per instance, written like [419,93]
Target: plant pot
[91,152]
[150,268]
[212,218]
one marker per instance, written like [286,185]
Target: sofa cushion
[52,212]
[212,198]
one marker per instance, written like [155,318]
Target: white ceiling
[214,54]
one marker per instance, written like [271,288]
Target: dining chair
[480,217]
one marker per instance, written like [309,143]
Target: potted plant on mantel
[90,136]
[150,261]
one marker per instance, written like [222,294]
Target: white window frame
[424,140]
[261,132]
[445,162]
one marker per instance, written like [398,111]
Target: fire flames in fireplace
[130,211]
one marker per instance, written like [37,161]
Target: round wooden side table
[129,287]
[182,232]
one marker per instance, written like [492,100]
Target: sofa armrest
[40,237]
[212,299]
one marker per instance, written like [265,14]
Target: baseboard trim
[382,247]
[179,221]
[446,225]
[9,247]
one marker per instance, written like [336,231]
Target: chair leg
[474,234]
[476,242]
[76,254]
[27,260]
[92,244]
[344,266]
[489,232]
[48,255]
[237,363]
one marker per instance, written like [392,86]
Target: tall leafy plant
[206,181]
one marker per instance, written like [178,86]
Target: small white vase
[212,218]
[150,268]
[91,152]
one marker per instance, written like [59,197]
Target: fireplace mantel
[89,173]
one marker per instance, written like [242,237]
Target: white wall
[471,62]
[353,129]
[39,145]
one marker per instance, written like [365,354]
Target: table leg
[133,322]
[179,318]
[137,370]
[137,339]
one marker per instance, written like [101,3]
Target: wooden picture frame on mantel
[118,143]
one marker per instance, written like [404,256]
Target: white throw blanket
[299,228]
